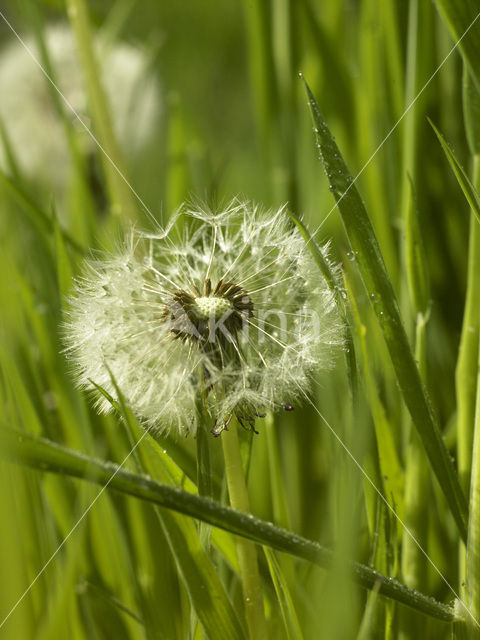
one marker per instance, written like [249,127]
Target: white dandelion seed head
[29,115]
[228,307]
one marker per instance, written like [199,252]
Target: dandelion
[30,117]
[228,307]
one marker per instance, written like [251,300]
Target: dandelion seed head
[231,309]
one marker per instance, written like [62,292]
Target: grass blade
[44,455]
[289,615]
[377,283]
[471,194]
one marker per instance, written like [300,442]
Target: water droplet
[351,256]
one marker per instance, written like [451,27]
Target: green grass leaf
[44,455]
[469,191]
[379,288]
[289,615]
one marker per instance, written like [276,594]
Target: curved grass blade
[289,615]
[99,593]
[377,283]
[471,194]
[44,455]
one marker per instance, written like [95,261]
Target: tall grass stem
[247,554]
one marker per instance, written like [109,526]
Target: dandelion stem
[204,472]
[204,477]
[247,555]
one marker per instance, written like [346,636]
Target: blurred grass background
[232,119]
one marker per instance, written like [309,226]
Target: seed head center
[211,307]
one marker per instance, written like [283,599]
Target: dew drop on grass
[351,256]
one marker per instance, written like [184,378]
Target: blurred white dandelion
[228,307]
[30,117]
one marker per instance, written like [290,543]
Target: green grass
[155,555]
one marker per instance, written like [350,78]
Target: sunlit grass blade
[377,283]
[44,455]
